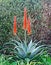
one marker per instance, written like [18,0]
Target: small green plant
[46,59]
[3,60]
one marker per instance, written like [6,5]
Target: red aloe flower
[28,26]
[14,26]
[25,19]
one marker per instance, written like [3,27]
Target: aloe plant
[23,50]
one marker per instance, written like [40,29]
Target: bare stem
[25,36]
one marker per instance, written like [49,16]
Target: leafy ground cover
[44,60]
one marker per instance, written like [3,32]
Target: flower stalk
[14,26]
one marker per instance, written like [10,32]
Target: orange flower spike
[14,26]
[28,27]
[25,19]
